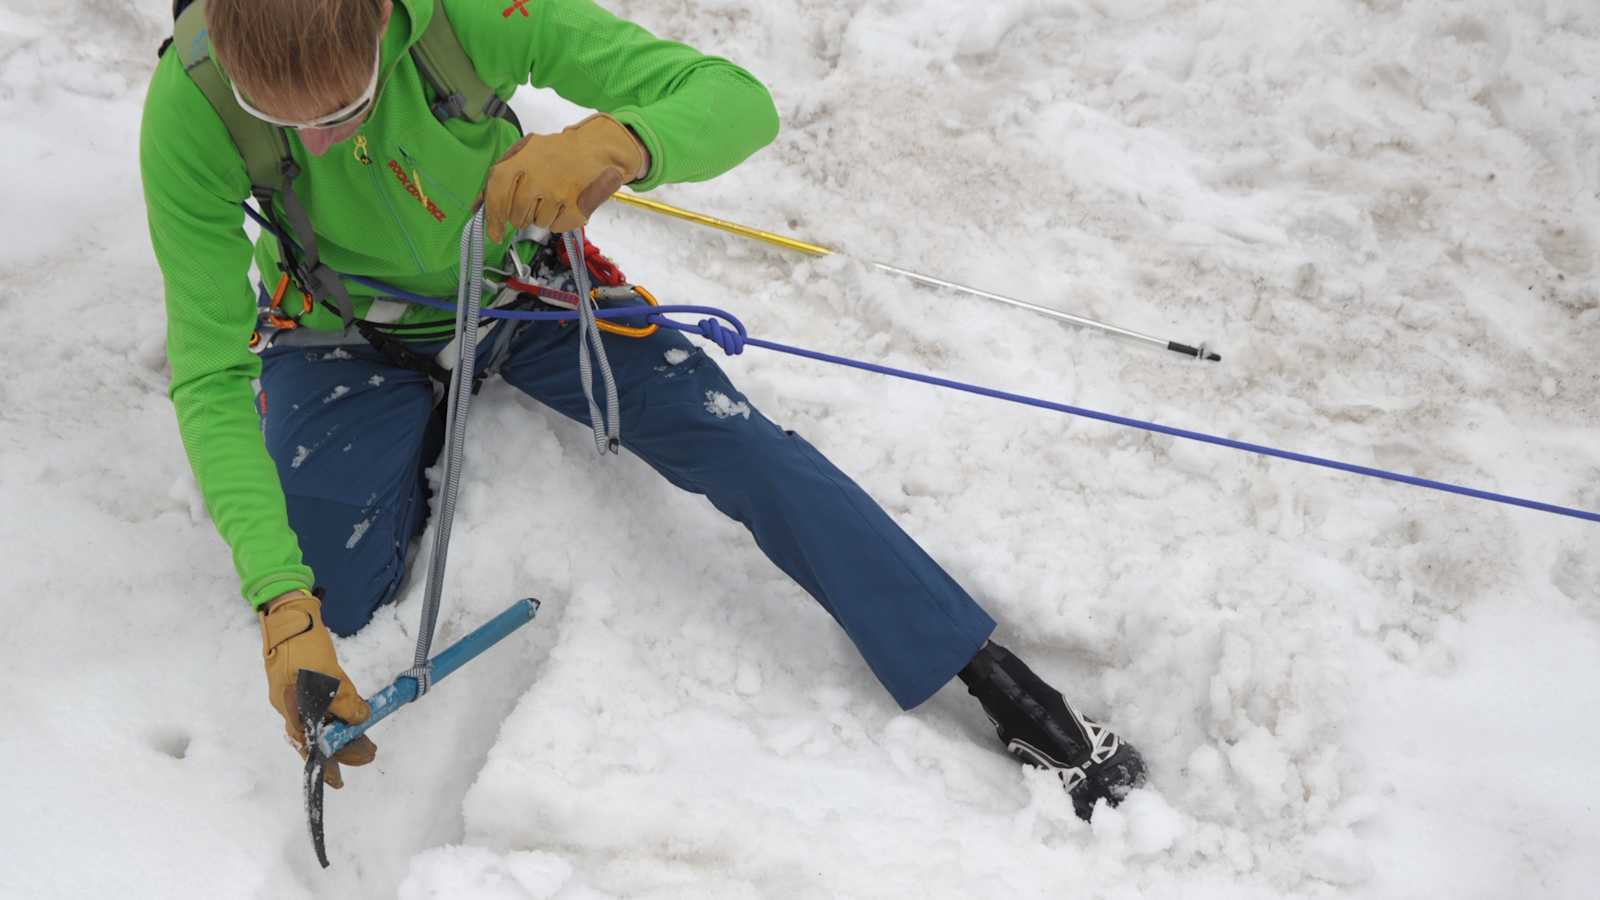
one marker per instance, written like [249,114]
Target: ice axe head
[314,693]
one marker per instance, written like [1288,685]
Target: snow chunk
[375,380]
[357,533]
[301,454]
[337,353]
[338,392]
[1264,768]
[676,355]
[1153,825]
[722,406]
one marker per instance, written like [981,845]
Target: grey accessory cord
[607,428]
[469,299]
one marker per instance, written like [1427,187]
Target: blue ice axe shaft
[451,658]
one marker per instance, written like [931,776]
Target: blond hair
[295,57]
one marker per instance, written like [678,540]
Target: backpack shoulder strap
[263,146]
[447,68]
[265,150]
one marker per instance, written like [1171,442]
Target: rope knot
[731,341]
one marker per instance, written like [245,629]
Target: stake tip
[1201,352]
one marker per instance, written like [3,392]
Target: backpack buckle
[449,107]
[495,108]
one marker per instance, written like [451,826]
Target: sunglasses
[349,112]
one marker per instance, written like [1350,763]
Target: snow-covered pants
[347,431]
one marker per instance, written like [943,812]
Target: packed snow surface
[1385,215]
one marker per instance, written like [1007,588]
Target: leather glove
[294,638]
[556,181]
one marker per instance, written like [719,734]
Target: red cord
[601,268]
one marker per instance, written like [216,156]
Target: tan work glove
[294,638]
[556,181]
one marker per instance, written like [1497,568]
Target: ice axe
[314,693]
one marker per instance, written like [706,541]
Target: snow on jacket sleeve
[194,180]
[698,115]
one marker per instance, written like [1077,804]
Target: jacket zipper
[418,174]
[394,217]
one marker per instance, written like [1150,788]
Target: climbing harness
[585,303]
[1198,351]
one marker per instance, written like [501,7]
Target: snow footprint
[170,741]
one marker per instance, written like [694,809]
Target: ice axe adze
[314,691]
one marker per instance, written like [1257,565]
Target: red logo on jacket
[415,192]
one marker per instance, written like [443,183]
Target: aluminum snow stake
[314,692]
[1199,352]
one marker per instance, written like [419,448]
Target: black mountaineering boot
[1039,728]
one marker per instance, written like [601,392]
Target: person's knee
[348,617]
[347,608]
[360,567]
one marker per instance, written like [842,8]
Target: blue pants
[348,434]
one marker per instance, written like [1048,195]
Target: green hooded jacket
[390,203]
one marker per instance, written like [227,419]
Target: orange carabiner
[628,330]
[276,304]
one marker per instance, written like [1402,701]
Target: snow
[476,872]
[722,406]
[1382,214]
[357,532]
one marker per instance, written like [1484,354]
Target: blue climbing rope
[734,339]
